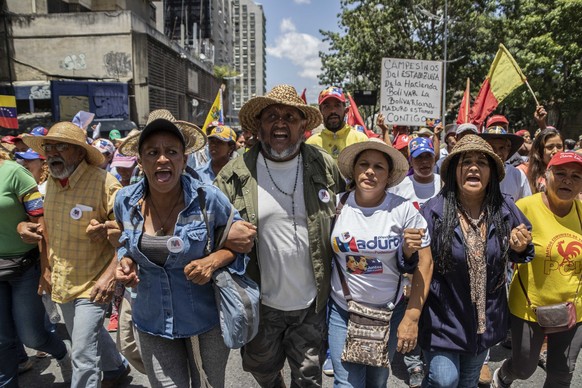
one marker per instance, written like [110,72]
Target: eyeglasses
[59,147]
[557,146]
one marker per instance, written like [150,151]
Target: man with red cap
[336,134]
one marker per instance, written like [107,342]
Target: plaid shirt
[77,262]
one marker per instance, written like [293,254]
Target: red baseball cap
[8,139]
[401,141]
[565,158]
[331,92]
[497,119]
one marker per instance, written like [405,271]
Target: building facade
[93,41]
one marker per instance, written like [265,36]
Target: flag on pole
[354,118]
[216,112]
[463,116]
[503,78]
[303,96]
[8,117]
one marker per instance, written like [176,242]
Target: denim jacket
[167,304]
[449,319]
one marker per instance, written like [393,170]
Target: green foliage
[224,71]
[542,35]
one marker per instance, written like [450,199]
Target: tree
[541,35]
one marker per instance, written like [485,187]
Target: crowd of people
[463,246]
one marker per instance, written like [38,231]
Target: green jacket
[238,180]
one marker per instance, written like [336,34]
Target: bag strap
[522,287]
[345,288]
[202,203]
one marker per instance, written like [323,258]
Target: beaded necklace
[292,194]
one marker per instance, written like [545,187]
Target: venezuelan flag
[8,118]
[215,113]
[503,78]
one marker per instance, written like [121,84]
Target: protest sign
[410,91]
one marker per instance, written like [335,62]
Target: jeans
[452,369]
[22,317]
[347,374]
[92,349]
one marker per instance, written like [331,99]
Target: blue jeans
[347,374]
[92,348]
[452,369]
[22,317]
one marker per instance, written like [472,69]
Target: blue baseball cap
[29,154]
[420,145]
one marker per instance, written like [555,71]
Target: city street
[45,373]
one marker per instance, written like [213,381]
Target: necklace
[161,231]
[292,194]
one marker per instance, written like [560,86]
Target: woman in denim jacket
[475,231]
[163,254]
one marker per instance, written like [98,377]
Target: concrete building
[99,41]
[249,52]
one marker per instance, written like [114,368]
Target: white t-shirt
[417,193]
[515,183]
[365,241]
[287,277]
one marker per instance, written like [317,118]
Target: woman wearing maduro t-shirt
[376,236]
[554,276]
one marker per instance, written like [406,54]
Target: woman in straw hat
[476,231]
[376,237]
[163,253]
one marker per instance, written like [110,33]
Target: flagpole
[532,93]
[469,100]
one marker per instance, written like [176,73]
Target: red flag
[303,97]
[504,76]
[354,118]
[8,117]
[463,116]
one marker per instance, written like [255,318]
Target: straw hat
[131,133]
[65,132]
[163,120]
[472,143]
[280,94]
[347,158]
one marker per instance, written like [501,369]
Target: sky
[294,41]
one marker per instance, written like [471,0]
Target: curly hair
[444,228]
[537,166]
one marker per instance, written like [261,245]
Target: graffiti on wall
[117,64]
[110,102]
[40,92]
[74,62]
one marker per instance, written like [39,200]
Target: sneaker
[113,322]
[496,381]
[328,367]
[40,354]
[543,359]
[25,366]
[113,382]
[65,364]
[415,378]
[485,375]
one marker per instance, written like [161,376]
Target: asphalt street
[45,373]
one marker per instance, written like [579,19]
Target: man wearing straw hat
[79,199]
[287,189]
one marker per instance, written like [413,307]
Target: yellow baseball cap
[223,133]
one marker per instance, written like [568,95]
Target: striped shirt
[77,262]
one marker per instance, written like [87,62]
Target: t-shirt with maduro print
[554,273]
[365,242]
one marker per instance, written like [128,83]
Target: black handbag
[11,267]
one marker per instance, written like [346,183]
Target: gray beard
[63,173]
[281,156]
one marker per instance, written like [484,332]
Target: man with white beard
[79,200]
[287,189]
